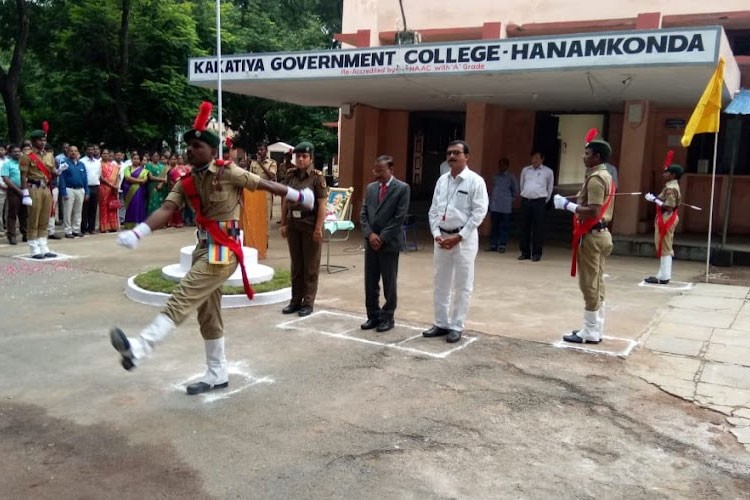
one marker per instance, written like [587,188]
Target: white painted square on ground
[609,346]
[60,257]
[672,286]
[346,327]
[240,379]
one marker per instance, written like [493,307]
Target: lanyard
[448,198]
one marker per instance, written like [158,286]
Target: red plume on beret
[228,141]
[204,114]
[591,134]
[45,127]
[668,159]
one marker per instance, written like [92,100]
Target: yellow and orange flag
[705,117]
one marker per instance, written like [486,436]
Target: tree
[9,78]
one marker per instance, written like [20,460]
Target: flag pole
[218,71]
[711,205]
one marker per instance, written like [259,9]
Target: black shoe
[201,387]
[78,235]
[12,240]
[435,331]
[385,326]
[291,308]
[536,258]
[53,236]
[38,256]
[24,239]
[656,281]
[523,257]
[305,311]
[122,345]
[575,339]
[369,324]
[49,255]
[69,236]
[453,336]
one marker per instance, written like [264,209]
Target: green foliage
[74,75]
[154,281]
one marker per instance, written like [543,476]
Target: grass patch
[153,281]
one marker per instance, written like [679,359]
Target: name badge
[297,214]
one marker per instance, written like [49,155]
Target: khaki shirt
[270,164]
[220,191]
[670,195]
[32,172]
[300,179]
[595,190]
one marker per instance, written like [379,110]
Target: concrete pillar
[634,153]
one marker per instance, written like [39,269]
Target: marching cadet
[213,190]
[303,230]
[592,241]
[667,204]
[36,182]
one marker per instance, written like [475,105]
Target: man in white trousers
[459,205]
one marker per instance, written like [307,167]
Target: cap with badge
[40,134]
[599,146]
[199,132]
[304,147]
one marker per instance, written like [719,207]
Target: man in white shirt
[459,205]
[93,163]
[537,183]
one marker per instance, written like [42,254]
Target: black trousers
[380,265]
[532,226]
[88,218]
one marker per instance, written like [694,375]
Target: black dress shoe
[523,257]
[53,236]
[12,240]
[656,281]
[305,311]
[69,236]
[38,256]
[201,387]
[291,308]
[575,339]
[49,255]
[435,331]
[78,235]
[370,324]
[121,344]
[385,326]
[536,258]
[453,336]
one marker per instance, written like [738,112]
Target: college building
[516,77]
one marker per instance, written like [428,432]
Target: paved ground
[318,409]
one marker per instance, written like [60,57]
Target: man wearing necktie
[383,213]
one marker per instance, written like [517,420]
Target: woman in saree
[254,217]
[176,172]
[109,204]
[135,188]
[158,185]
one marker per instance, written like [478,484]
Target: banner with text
[633,48]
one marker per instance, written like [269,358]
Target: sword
[691,206]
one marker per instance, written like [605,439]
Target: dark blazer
[386,218]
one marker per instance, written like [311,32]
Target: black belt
[37,183]
[73,187]
[599,226]
[451,231]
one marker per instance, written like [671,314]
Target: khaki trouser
[305,256]
[594,249]
[38,212]
[666,246]
[201,289]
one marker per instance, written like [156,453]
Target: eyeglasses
[453,152]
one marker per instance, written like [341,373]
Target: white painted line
[236,368]
[289,325]
[60,257]
[681,286]
[631,344]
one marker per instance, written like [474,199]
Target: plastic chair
[410,233]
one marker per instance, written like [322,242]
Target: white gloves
[130,239]
[305,197]
[26,200]
[559,202]
[562,203]
[653,199]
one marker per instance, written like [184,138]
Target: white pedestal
[256,273]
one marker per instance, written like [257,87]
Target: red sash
[664,226]
[219,236]
[41,166]
[582,227]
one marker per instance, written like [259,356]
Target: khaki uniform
[596,245]
[41,196]
[670,195]
[256,168]
[220,193]
[303,250]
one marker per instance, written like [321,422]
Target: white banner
[600,50]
